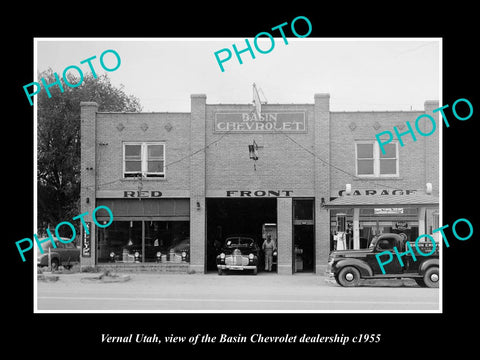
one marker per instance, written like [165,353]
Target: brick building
[177,182]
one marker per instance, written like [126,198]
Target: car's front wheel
[431,277]
[255,271]
[220,271]
[349,276]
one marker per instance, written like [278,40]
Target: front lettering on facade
[259,193]
[142,194]
[380,192]
[267,122]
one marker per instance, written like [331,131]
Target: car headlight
[222,256]
[159,254]
[137,254]
[250,256]
[274,253]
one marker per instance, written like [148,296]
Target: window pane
[388,167]
[365,151]
[133,165]
[155,166]
[169,238]
[120,241]
[155,151]
[390,151]
[365,167]
[303,209]
[60,245]
[133,151]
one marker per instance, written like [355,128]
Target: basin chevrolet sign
[267,122]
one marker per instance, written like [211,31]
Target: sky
[367,74]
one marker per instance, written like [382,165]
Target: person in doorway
[268,247]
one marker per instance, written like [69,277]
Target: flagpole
[257,102]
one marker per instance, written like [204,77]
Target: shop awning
[145,209]
[412,200]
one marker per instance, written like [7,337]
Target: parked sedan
[238,253]
[179,252]
[65,254]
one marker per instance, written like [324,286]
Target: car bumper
[329,275]
[236,267]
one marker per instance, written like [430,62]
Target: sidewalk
[241,279]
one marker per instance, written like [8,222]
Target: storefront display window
[144,241]
[373,221]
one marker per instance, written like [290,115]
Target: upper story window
[146,159]
[370,161]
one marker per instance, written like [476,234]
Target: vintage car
[177,253]
[64,254]
[347,267]
[238,253]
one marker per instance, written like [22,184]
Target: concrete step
[176,268]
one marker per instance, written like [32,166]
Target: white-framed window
[371,162]
[146,159]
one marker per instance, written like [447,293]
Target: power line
[176,161]
[278,131]
[333,166]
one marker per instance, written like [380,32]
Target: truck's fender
[426,264]
[363,267]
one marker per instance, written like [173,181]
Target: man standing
[268,247]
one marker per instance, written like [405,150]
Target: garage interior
[227,217]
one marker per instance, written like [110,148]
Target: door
[392,267]
[303,235]
[70,253]
[304,254]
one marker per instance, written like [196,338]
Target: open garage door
[227,217]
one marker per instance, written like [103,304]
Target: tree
[58,141]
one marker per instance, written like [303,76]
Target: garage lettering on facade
[259,193]
[382,192]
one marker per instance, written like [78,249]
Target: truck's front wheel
[431,277]
[348,276]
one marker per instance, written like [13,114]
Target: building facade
[179,183]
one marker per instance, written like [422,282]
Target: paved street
[210,292]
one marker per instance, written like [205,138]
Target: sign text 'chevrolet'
[267,122]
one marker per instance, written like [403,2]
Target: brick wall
[197,182]
[350,127]
[284,235]
[88,169]
[225,163]
[323,130]
[113,129]
[281,164]
[432,146]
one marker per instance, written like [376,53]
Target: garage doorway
[227,217]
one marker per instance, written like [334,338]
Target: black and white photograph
[269,188]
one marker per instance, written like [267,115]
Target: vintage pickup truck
[347,267]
